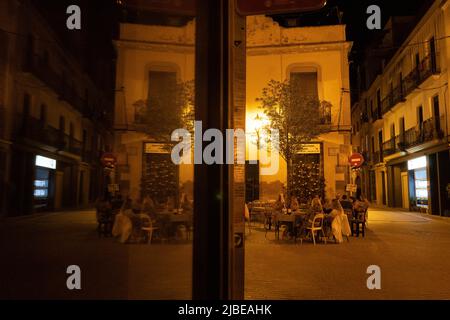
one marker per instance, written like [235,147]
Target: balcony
[33,130]
[390,147]
[392,99]
[377,115]
[71,144]
[377,157]
[429,130]
[35,65]
[426,68]
[40,69]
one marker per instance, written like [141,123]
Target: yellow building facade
[404,131]
[273,52]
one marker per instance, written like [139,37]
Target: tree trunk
[289,180]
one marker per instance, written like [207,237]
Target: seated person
[123,226]
[185,204]
[315,208]
[327,207]
[280,204]
[346,203]
[338,221]
[148,207]
[361,205]
[170,204]
[104,215]
[294,206]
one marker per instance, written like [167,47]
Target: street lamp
[258,123]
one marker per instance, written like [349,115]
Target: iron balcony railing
[429,130]
[394,97]
[390,146]
[377,157]
[426,68]
[377,114]
[35,130]
[37,66]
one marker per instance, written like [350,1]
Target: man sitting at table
[346,203]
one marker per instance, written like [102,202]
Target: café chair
[316,226]
[148,230]
[358,223]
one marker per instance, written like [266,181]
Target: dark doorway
[251,181]
[81,188]
[433,55]
[383,187]
[436,114]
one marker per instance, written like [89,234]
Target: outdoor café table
[170,219]
[289,219]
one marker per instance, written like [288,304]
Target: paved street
[412,251]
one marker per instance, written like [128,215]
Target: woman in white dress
[339,221]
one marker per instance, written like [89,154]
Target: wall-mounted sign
[310,148]
[108,159]
[45,162]
[351,188]
[156,148]
[356,160]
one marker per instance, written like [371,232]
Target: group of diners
[127,218]
[337,216]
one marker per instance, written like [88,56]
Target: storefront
[44,183]
[419,183]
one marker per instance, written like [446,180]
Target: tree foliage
[167,110]
[299,118]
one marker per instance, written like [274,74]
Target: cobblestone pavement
[412,251]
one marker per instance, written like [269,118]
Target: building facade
[150,57]
[401,122]
[151,60]
[53,124]
[318,57]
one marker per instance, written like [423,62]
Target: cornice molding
[155,46]
[298,48]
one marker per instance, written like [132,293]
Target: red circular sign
[108,159]
[356,160]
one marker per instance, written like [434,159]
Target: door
[383,188]
[251,181]
[81,189]
[405,191]
[380,144]
[436,114]
[433,59]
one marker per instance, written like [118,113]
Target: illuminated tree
[300,118]
[167,109]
